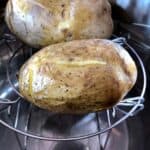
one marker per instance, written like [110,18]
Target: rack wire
[126,108]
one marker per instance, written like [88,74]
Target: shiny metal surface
[132,10]
[118,135]
[138,11]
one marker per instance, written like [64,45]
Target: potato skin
[43,22]
[78,77]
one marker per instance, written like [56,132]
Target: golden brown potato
[78,76]
[43,22]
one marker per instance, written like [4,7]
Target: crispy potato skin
[78,77]
[43,22]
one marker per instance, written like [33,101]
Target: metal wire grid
[128,107]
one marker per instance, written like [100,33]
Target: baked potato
[43,22]
[78,76]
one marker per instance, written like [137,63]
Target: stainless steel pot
[127,136]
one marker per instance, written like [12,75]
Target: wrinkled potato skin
[43,22]
[78,77]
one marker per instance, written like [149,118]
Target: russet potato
[78,77]
[43,22]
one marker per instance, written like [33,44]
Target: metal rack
[14,108]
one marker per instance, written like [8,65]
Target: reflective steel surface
[17,142]
[138,11]
[132,10]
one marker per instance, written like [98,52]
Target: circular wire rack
[112,117]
